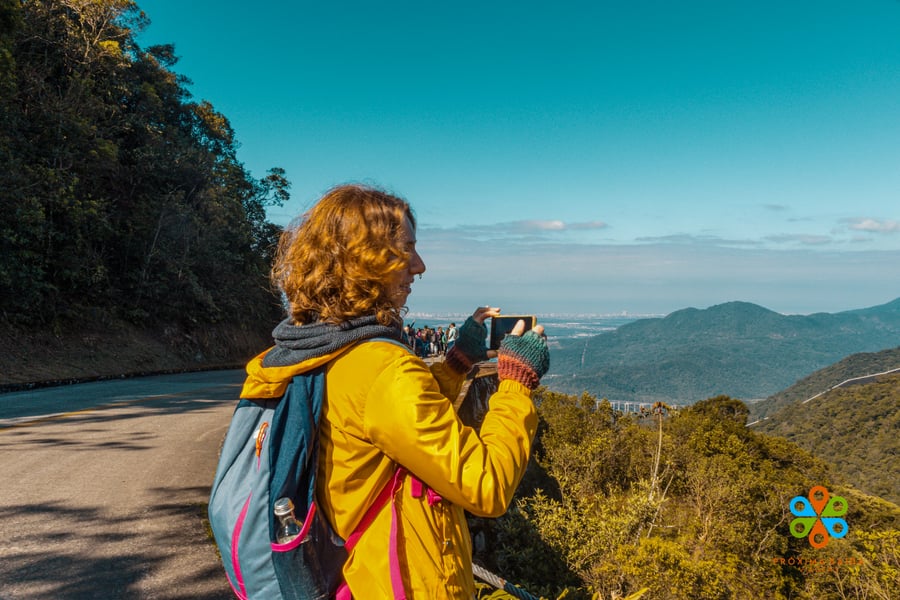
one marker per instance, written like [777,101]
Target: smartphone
[502,325]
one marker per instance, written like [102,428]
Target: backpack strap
[386,494]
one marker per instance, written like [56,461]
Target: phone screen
[500,326]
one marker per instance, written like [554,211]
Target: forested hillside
[738,349]
[124,205]
[855,428]
[682,506]
[853,366]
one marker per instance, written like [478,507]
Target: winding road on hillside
[103,488]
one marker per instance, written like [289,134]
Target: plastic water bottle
[288,527]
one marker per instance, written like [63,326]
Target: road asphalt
[103,488]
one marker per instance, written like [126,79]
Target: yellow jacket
[385,407]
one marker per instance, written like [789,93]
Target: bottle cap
[283,506]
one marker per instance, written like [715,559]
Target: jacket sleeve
[409,419]
[449,381]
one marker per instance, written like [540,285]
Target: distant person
[432,345]
[406,337]
[451,336]
[421,344]
[384,408]
[440,340]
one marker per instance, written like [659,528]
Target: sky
[581,157]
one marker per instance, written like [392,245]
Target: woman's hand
[524,356]
[519,329]
[469,347]
[483,312]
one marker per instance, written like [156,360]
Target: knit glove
[523,358]
[469,347]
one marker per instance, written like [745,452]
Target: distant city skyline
[588,157]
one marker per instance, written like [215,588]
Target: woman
[346,271]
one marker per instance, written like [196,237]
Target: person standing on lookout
[347,268]
[451,336]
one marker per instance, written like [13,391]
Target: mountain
[853,427]
[737,349]
[850,368]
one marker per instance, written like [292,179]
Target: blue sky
[582,157]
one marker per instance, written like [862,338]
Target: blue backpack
[270,452]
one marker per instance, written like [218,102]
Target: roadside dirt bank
[105,349]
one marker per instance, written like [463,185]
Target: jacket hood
[297,343]
[302,348]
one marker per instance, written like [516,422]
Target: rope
[500,583]
[488,577]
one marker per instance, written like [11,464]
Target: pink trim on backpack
[417,488]
[386,494]
[235,559]
[396,575]
[343,592]
[301,537]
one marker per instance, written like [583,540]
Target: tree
[124,194]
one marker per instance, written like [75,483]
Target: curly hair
[334,264]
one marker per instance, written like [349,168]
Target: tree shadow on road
[83,403]
[91,423]
[158,551]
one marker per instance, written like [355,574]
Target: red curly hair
[334,264]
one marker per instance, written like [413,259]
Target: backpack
[270,452]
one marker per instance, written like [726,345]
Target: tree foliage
[854,428]
[120,192]
[684,505]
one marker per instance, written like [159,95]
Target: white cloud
[539,225]
[874,225]
[525,230]
[695,239]
[554,225]
[588,226]
[800,238]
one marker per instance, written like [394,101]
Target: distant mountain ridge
[854,427]
[823,380]
[738,349]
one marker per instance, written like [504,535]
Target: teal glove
[469,347]
[523,358]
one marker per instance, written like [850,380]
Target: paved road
[103,488]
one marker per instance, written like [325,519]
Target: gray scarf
[296,343]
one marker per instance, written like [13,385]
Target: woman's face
[401,285]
